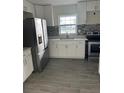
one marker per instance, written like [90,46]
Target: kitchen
[64,56]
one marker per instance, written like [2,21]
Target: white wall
[48,14]
[93,19]
[63,10]
[39,11]
[27,6]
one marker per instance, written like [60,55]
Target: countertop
[77,37]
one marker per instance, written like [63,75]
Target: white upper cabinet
[97,7]
[93,18]
[39,11]
[93,5]
[51,13]
[45,12]
[48,15]
[93,12]
[84,7]
[81,11]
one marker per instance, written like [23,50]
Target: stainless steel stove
[93,43]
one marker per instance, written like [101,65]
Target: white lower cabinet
[80,49]
[27,63]
[67,48]
[71,49]
[62,50]
[53,49]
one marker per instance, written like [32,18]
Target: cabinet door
[27,68]
[81,10]
[67,49]
[53,49]
[71,49]
[27,64]
[80,49]
[93,5]
[62,50]
[56,52]
[48,14]
[24,68]
[97,7]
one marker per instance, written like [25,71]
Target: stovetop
[93,33]
[93,36]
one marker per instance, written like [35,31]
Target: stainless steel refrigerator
[33,36]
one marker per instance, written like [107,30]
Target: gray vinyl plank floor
[65,76]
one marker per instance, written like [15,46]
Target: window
[67,24]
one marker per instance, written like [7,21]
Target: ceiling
[55,2]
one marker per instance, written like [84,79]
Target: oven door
[93,48]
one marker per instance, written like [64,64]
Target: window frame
[67,24]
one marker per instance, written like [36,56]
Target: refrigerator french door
[45,58]
[44,24]
[39,49]
[39,34]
